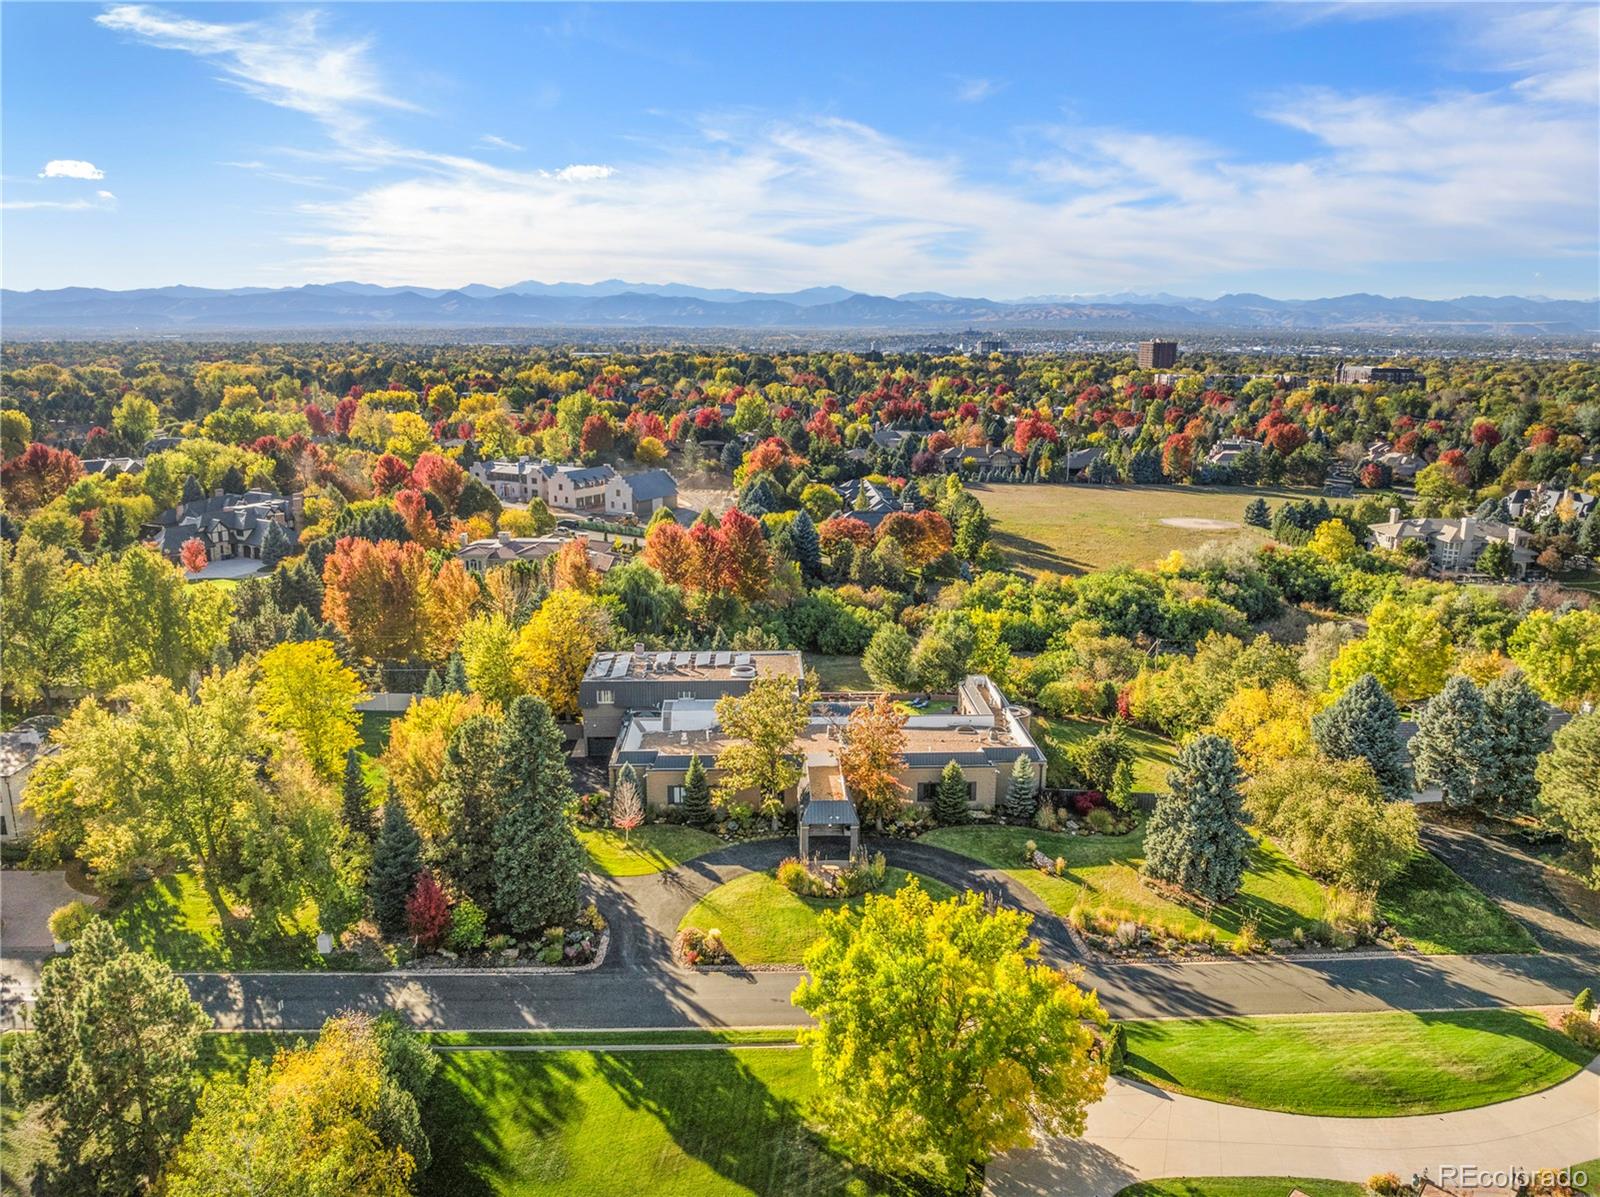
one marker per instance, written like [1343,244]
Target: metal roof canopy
[829,812]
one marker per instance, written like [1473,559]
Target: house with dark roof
[480,556]
[1454,545]
[230,526]
[982,457]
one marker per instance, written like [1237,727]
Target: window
[674,795]
[685,693]
[604,698]
[927,791]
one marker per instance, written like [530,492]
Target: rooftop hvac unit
[743,671]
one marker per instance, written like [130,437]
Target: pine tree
[357,808]
[192,492]
[302,627]
[396,861]
[1021,799]
[470,798]
[275,545]
[455,675]
[538,863]
[696,794]
[950,798]
[1519,732]
[1589,535]
[1196,838]
[1364,722]
[1452,740]
[433,686]
[1257,514]
[805,546]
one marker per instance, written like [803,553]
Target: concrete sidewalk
[1140,1133]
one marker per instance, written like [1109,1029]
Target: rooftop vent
[743,671]
[966,729]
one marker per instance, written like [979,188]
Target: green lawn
[764,923]
[1103,881]
[1080,528]
[172,918]
[839,673]
[1242,1186]
[1355,1065]
[652,848]
[670,1124]
[1152,756]
[374,739]
[1440,913]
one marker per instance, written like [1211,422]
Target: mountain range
[161,311]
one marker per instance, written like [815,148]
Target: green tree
[1519,733]
[1496,560]
[111,1059]
[396,861]
[142,618]
[538,862]
[486,654]
[1451,740]
[326,1119]
[1407,648]
[306,691]
[943,650]
[1569,786]
[39,618]
[1560,655]
[469,800]
[1256,513]
[941,1040]
[356,803]
[950,798]
[762,726]
[888,658]
[1363,721]
[804,544]
[696,794]
[134,419]
[1332,817]
[1022,792]
[1105,762]
[1196,839]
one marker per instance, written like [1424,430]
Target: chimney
[1394,515]
[503,536]
[638,648]
[463,539]
[1466,527]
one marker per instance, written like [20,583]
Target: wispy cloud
[971,91]
[103,201]
[71,168]
[580,172]
[497,143]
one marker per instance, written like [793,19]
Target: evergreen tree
[232,481]
[950,798]
[396,861]
[538,863]
[1519,732]
[275,545]
[433,686]
[1021,797]
[469,797]
[302,627]
[804,545]
[1589,535]
[1364,722]
[356,809]
[888,658]
[1196,838]
[192,492]
[1451,741]
[455,675]
[696,794]
[1256,513]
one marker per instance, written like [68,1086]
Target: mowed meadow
[1077,528]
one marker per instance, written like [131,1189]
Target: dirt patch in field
[1195,524]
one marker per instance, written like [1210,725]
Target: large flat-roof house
[1454,545]
[21,749]
[619,684]
[984,735]
[1158,355]
[480,556]
[588,490]
[230,526]
[1390,374]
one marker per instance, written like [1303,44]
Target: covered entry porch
[827,815]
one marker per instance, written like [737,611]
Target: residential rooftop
[704,664]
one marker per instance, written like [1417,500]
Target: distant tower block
[1158,355]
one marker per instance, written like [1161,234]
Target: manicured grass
[839,673]
[1439,912]
[172,918]
[649,849]
[1079,528]
[1103,880]
[374,731]
[671,1124]
[1242,1186]
[1152,756]
[1355,1065]
[764,923]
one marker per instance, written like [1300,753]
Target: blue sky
[1000,150]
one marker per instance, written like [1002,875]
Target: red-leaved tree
[427,912]
[193,555]
[38,475]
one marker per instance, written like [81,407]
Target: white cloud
[497,143]
[105,195]
[71,168]
[971,91]
[580,173]
[103,201]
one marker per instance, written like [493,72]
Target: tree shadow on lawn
[157,917]
[719,1112]
[1036,554]
[1531,1029]
[494,1117]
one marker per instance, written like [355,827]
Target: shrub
[1061,866]
[552,954]
[1085,801]
[1116,1047]
[696,947]
[794,876]
[1249,940]
[1385,1184]
[1101,821]
[1127,934]
[1581,1030]
[427,913]
[1583,1003]
[591,919]
[467,923]
[68,922]
[1045,817]
[498,943]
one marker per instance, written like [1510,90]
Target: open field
[652,848]
[1152,756]
[764,923]
[1356,1065]
[1079,528]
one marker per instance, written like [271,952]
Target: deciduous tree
[306,691]
[555,646]
[763,727]
[872,758]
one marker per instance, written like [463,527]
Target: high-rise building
[1158,355]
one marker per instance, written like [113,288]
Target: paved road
[638,986]
[1139,1132]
